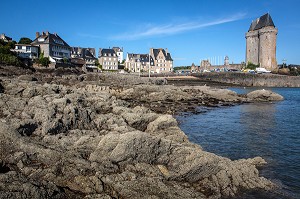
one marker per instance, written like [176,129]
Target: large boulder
[264,96]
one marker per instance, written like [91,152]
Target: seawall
[246,79]
[239,79]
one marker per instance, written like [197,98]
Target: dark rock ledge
[92,137]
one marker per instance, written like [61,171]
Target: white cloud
[171,29]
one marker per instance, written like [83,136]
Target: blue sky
[191,30]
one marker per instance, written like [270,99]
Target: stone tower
[261,43]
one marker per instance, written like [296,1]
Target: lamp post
[139,68]
[149,65]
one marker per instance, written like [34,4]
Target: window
[58,41]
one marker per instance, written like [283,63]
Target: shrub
[7,57]
[44,61]
[251,66]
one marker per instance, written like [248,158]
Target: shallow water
[269,130]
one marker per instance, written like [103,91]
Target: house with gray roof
[53,46]
[85,54]
[160,61]
[163,61]
[108,59]
[138,62]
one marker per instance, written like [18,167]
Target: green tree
[8,57]
[251,66]
[24,40]
[44,61]
[97,62]
[65,60]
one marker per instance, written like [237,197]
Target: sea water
[270,130]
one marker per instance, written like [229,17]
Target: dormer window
[41,39]
[58,41]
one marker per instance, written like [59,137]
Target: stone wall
[267,52]
[247,79]
[252,50]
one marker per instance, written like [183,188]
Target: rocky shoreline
[112,136]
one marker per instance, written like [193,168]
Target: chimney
[47,32]
[37,34]
[43,33]
[166,51]
[151,51]
[99,53]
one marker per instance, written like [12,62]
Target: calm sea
[269,130]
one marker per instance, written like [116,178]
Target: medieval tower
[261,43]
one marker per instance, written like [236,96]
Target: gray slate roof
[261,22]
[84,52]
[141,57]
[50,38]
[167,55]
[108,52]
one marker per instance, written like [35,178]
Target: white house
[119,53]
[27,51]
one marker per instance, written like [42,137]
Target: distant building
[194,68]
[261,43]
[85,54]
[226,61]
[163,61]
[27,51]
[138,62]
[205,64]
[108,59]
[5,38]
[119,53]
[53,46]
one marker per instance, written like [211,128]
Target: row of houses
[157,61]
[59,51]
